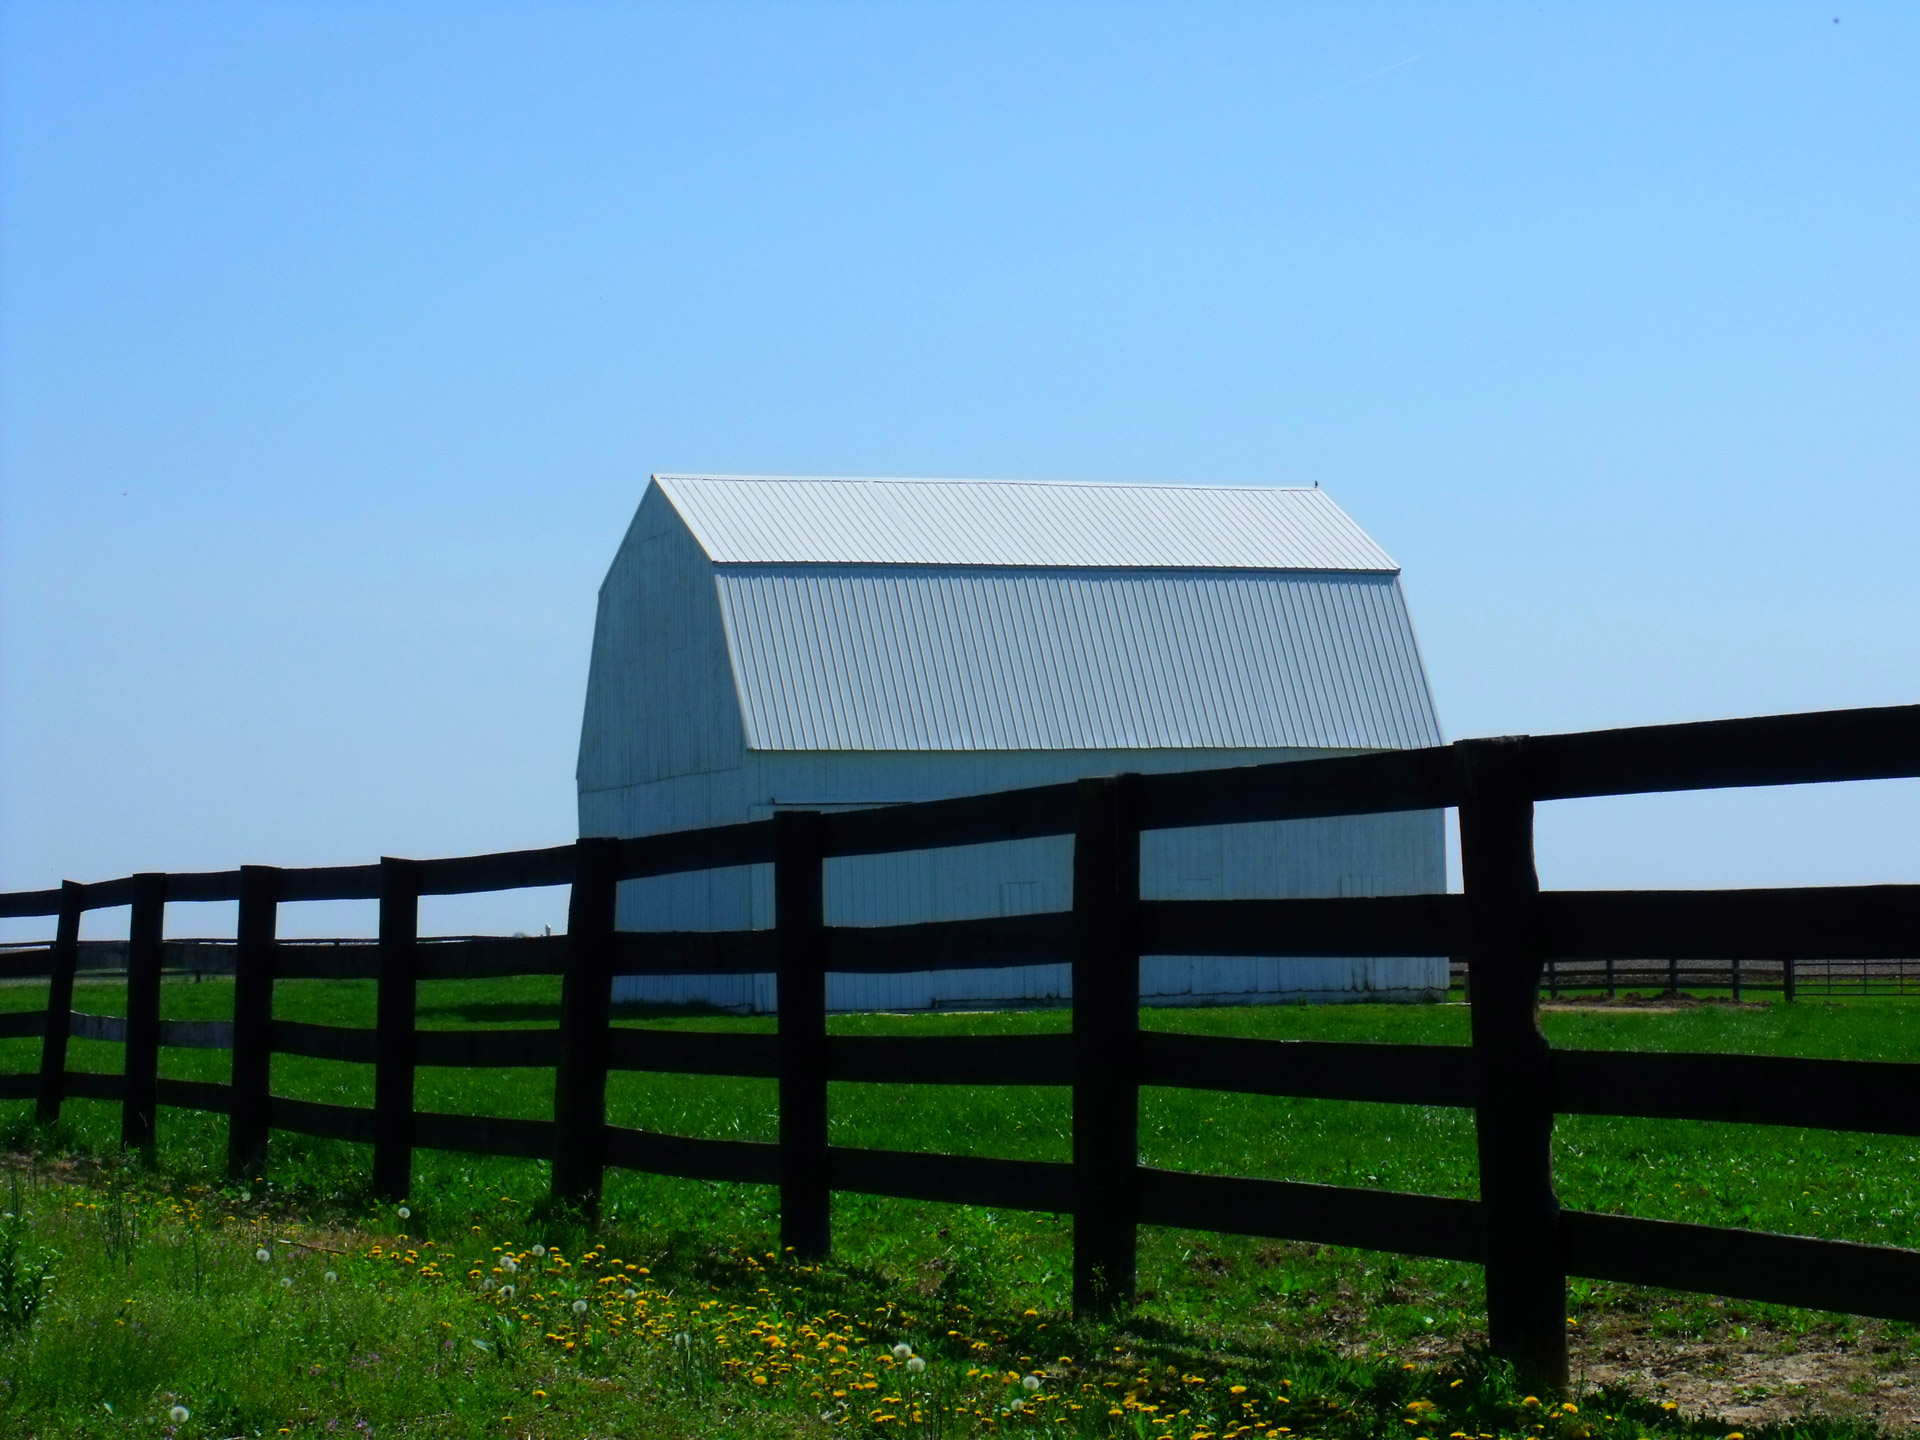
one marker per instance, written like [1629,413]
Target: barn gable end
[661,700]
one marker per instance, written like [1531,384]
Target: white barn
[807,643]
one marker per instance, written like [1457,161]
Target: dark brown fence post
[586,1012]
[1786,978]
[1106,1038]
[53,1045]
[140,1097]
[806,1210]
[252,1020]
[395,1046]
[1526,1277]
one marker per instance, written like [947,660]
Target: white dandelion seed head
[506,1292]
[901,1352]
[263,1255]
[629,1293]
[684,1340]
[1017,1406]
[509,1264]
[179,1414]
[332,1277]
[1032,1382]
[539,1252]
[486,1284]
[404,1213]
[916,1365]
[579,1307]
[286,1282]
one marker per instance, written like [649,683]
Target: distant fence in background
[1739,979]
[1511,933]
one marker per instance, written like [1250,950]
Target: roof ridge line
[1064,566]
[981,480]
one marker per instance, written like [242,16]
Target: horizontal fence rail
[1505,938]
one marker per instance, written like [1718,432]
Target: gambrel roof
[918,615]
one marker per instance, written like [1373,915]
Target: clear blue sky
[337,341]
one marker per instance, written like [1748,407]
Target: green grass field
[1210,1305]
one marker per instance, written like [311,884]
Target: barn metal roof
[975,658]
[765,520]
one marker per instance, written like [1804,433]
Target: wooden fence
[1737,977]
[1508,929]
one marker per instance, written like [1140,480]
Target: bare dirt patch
[1766,1375]
[1654,1004]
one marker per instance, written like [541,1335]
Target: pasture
[1339,1324]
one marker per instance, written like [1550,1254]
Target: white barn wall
[1349,855]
